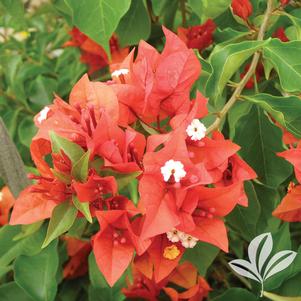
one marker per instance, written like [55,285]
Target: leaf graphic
[246,269]
[279,262]
[264,253]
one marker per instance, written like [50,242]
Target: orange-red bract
[242,8]
[198,36]
[78,251]
[7,201]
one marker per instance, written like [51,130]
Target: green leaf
[275,297]
[10,63]
[236,294]
[208,9]
[99,289]
[260,140]
[37,274]
[285,58]
[297,23]
[244,219]
[41,90]
[135,25]
[285,110]
[148,129]
[26,130]
[62,219]
[27,230]
[98,18]
[133,190]
[122,179]
[72,150]
[225,61]
[5,270]
[81,167]
[12,292]
[240,109]
[202,256]
[15,8]
[84,208]
[11,249]
[228,35]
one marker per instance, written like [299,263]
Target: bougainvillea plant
[164,140]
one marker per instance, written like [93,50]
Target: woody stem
[240,86]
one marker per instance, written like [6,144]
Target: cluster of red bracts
[92,54]
[290,207]
[143,124]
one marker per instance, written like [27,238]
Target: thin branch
[248,75]
[183,12]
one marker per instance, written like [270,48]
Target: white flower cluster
[173,168]
[196,130]
[119,72]
[43,115]
[186,240]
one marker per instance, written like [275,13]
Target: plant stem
[183,11]
[248,75]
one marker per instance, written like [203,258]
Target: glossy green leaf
[81,167]
[37,274]
[225,61]
[11,249]
[297,23]
[27,230]
[135,25]
[286,110]
[12,292]
[63,217]
[244,219]
[72,150]
[228,35]
[202,256]
[285,58]
[260,140]
[98,18]
[84,208]
[208,9]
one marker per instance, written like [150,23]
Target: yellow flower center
[171,252]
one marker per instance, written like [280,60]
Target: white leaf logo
[259,267]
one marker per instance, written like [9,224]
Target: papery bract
[7,201]
[242,8]
[198,36]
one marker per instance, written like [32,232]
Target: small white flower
[56,53]
[188,241]
[173,168]
[196,130]
[1,196]
[21,35]
[120,72]
[173,235]
[43,115]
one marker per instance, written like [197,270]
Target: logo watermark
[261,265]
